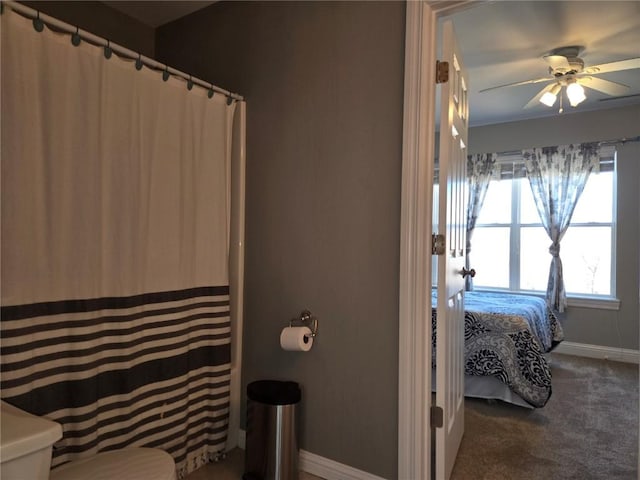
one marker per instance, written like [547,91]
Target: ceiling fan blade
[628,64]
[525,82]
[635,95]
[605,86]
[557,61]
[536,100]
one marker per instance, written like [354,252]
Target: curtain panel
[480,170]
[115,241]
[557,176]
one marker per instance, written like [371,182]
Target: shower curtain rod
[89,37]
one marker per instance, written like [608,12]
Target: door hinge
[437,244]
[436,417]
[442,72]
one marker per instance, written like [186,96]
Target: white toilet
[26,442]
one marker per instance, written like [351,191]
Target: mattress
[506,337]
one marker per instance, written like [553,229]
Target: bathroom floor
[231,468]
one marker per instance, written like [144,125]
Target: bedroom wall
[101,20]
[592,326]
[324,89]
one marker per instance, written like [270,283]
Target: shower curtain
[115,249]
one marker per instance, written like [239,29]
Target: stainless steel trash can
[271,446]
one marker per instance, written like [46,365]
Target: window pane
[528,210]
[490,257]
[586,260]
[497,204]
[585,251]
[434,217]
[535,258]
[596,202]
[436,207]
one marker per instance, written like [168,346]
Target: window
[510,248]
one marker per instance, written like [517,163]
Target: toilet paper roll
[294,339]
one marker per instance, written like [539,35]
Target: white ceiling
[503,42]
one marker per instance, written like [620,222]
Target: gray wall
[324,90]
[101,20]
[586,325]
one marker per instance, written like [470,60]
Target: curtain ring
[165,73]
[107,50]
[229,100]
[75,38]
[37,23]
[210,92]
[139,62]
[189,83]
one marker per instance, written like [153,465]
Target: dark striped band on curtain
[146,370]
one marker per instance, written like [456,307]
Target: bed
[506,339]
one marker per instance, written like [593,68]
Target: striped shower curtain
[115,237]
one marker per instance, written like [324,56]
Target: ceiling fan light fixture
[550,97]
[575,93]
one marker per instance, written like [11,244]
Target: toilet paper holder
[306,319]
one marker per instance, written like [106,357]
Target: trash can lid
[274,392]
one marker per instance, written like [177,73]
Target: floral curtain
[557,176]
[480,168]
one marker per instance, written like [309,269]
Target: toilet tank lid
[22,433]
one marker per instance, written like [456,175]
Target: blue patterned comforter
[506,336]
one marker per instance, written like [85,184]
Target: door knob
[466,272]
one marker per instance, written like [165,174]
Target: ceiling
[155,13]
[503,42]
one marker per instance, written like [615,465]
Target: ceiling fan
[567,69]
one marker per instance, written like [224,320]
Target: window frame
[607,158]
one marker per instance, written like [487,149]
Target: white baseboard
[597,351]
[331,470]
[322,467]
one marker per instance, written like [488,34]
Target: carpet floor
[588,429]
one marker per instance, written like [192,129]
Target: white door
[451,225]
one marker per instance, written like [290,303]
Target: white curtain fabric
[557,176]
[111,167]
[115,190]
